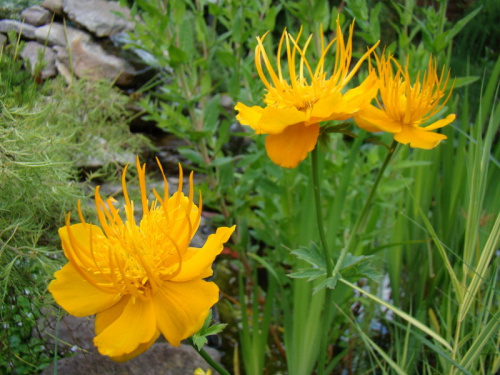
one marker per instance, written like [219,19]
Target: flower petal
[289,148]
[324,107]
[197,263]
[125,326]
[248,115]
[418,137]
[373,119]
[76,295]
[276,120]
[441,123]
[78,242]
[362,95]
[181,308]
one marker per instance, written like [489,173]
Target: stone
[77,335]
[36,15]
[91,61]
[55,6]
[37,53]
[27,31]
[56,34]
[160,359]
[98,17]
[74,334]
[3,40]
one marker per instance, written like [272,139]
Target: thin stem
[328,261]
[363,215]
[319,216]
[217,367]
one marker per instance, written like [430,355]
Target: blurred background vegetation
[433,221]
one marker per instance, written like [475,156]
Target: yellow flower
[200,371]
[295,107]
[404,106]
[139,279]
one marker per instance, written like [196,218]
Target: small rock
[55,6]
[27,31]
[64,71]
[37,53]
[98,16]
[36,15]
[56,34]
[91,61]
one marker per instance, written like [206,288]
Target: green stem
[217,367]
[363,215]
[328,261]
[319,216]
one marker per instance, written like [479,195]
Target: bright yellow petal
[181,308]
[343,107]
[128,324]
[373,119]
[76,295]
[418,137]
[276,120]
[362,95]
[79,242]
[248,115]
[197,263]
[289,148]
[183,224]
[324,107]
[441,123]
[140,349]
[105,318]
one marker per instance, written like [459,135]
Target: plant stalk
[360,221]
[216,366]
[328,261]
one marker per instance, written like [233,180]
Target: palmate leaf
[311,255]
[353,268]
[199,339]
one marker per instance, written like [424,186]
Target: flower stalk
[363,215]
[326,254]
[217,367]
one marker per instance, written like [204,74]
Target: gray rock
[77,335]
[63,69]
[160,359]
[98,16]
[37,53]
[91,61]
[27,31]
[3,40]
[56,34]
[55,6]
[74,334]
[36,15]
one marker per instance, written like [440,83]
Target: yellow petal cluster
[404,107]
[139,279]
[295,105]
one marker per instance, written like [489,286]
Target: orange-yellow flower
[404,107]
[295,107]
[139,279]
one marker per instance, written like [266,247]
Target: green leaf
[211,114]
[177,55]
[192,155]
[311,255]
[308,273]
[356,267]
[463,81]
[200,338]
